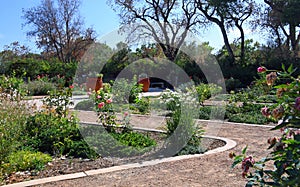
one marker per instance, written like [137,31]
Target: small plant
[205,91]
[27,160]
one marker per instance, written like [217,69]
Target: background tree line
[58,29]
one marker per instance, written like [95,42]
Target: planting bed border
[229,145]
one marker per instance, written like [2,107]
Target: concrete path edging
[229,145]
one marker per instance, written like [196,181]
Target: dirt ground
[211,170]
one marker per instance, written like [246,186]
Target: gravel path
[210,170]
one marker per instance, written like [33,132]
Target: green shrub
[181,124]
[55,131]
[87,105]
[134,139]
[249,117]
[13,117]
[27,160]
[38,87]
[11,85]
[115,144]
[126,91]
[205,91]
[142,105]
[232,84]
[49,132]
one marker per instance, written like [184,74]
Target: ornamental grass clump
[285,150]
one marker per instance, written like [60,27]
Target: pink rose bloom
[101,105]
[265,111]
[126,113]
[297,103]
[108,101]
[99,96]
[261,69]
[71,86]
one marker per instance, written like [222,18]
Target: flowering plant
[103,100]
[285,155]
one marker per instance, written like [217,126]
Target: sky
[96,14]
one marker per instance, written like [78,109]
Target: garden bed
[62,166]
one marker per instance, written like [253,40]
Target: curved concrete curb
[229,145]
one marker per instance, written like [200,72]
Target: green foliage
[38,87]
[87,105]
[232,84]
[26,160]
[181,123]
[13,117]
[206,91]
[141,105]
[134,139]
[11,85]
[116,144]
[126,91]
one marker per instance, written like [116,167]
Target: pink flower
[71,86]
[265,112]
[126,114]
[101,105]
[108,101]
[246,164]
[89,93]
[98,96]
[261,69]
[297,103]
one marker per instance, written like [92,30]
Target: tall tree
[58,29]
[166,21]
[228,14]
[283,18]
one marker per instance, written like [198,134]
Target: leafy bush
[134,139]
[55,131]
[181,124]
[116,144]
[38,87]
[142,105]
[11,85]
[13,117]
[87,105]
[232,84]
[249,117]
[27,160]
[126,91]
[205,91]
[247,113]
[56,135]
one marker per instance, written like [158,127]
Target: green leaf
[290,69]
[237,160]
[283,67]
[244,150]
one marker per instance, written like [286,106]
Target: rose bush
[285,155]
